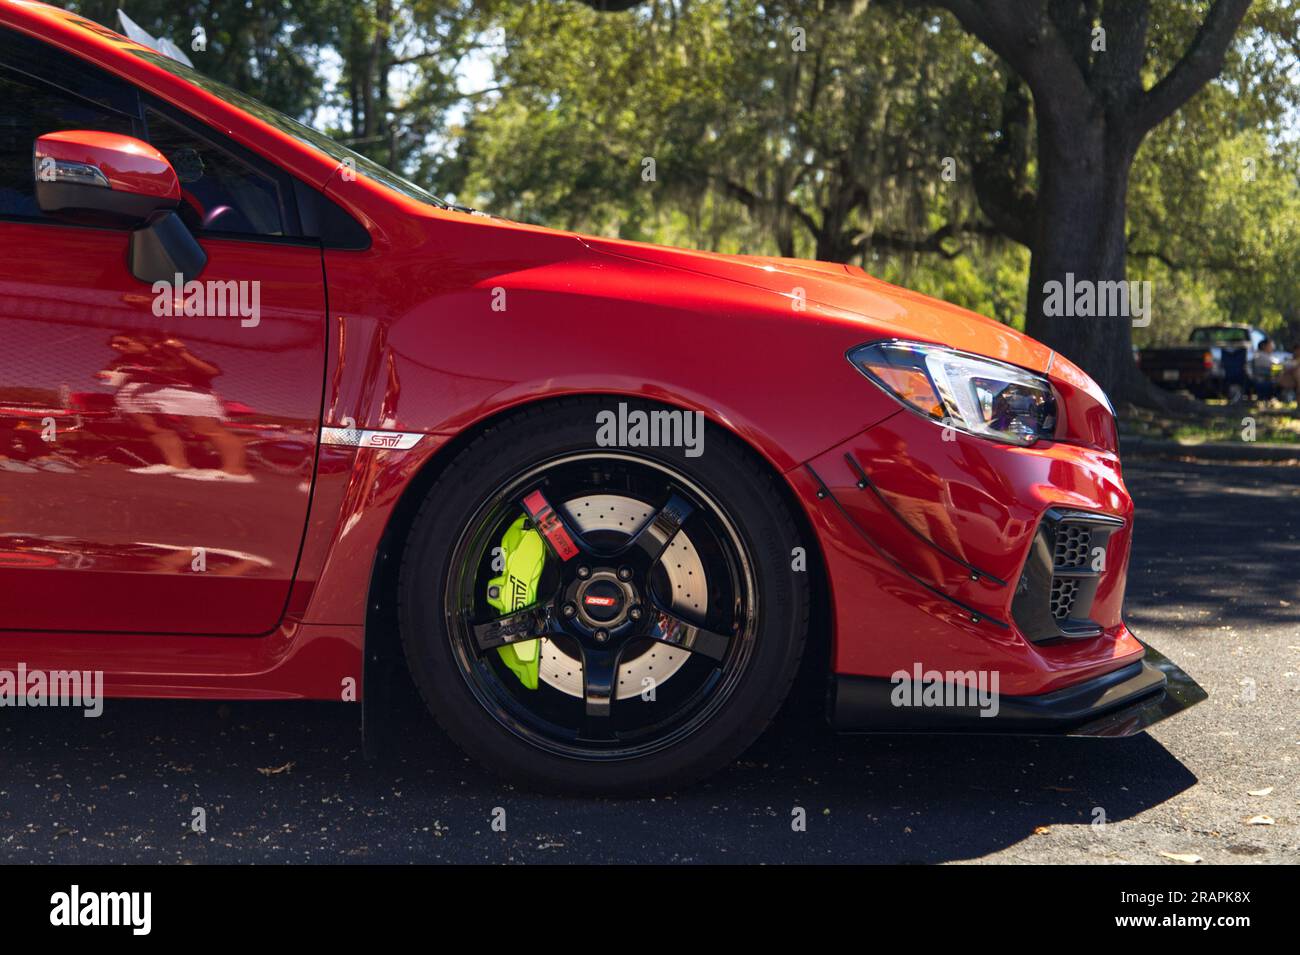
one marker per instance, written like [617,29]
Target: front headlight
[973,394]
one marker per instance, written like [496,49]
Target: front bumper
[935,555]
[1120,703]
[977,587]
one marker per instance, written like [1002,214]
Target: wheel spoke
[560,536]
[635,555]
[667,627]
[600,678]
[526,624]
[657,533]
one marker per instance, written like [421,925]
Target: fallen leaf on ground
[275,770]
[1189,857]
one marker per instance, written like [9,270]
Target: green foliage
[1214,199]
[825,129]
[270,50]
[379,75]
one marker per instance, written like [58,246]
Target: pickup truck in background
[1217,359]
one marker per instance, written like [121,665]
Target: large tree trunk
[834,246]
[1093,109]
[1079,237]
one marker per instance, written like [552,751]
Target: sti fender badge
[383,440]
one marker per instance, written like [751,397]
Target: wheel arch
[383,653]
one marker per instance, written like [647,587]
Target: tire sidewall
[728,473]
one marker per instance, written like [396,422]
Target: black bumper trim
[1123,702]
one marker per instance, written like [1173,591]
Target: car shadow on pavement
[930,799]
[289,782]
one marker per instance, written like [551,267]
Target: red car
[597,494]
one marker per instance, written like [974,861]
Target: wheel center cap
[603,600]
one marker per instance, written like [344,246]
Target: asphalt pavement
[1215,585]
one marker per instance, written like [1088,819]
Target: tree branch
[1201,63]
[1176,265]
[1023,34]
[611,6]
[756,203]
[933,243]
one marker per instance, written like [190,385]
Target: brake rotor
[612,512]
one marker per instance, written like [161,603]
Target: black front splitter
[1121,703]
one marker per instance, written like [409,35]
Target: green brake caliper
[523,555]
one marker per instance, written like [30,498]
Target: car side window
[222,193]
[33,108]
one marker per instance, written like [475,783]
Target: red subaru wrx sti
[268,410]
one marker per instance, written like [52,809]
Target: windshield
[1205,336]
[299,131]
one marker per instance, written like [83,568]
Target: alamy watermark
[133,910]
[949,688]
[212,298]
[651,429]
[41,688]
[1088,299]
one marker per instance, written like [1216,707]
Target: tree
[269,51]
[1084,64]
[832,149]
[381,70]
[1214,220]
[1088,66]
[397,82]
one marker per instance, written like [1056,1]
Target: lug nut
[569,610]
[602,636]
[584,572]
[635,613]
[625,573]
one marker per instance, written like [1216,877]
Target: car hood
[883,310]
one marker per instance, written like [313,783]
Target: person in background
[1287,386]
[1261,370]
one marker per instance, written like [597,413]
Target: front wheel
[596,619]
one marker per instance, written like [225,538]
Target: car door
[156,448]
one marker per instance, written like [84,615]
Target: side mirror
[107,177]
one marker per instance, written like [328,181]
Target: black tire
[729,474]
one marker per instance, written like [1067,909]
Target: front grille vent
[1072,545]
[1058,585]
[1064,590]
